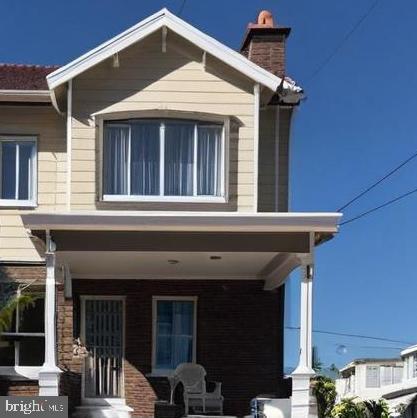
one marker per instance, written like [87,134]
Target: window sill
[17,372]
[169,199]
[20,204]
[160,373]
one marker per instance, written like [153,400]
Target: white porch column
[49,373]
[301,403]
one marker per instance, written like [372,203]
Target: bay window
[174,328]
[17,171]
[153,159]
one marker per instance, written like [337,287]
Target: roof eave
[31,96]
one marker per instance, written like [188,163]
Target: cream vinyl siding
[272,159]
[48,127]
[148,79]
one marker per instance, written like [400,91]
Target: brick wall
[239,338]
[18,388]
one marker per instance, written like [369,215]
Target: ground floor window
[22,344]
[174,321]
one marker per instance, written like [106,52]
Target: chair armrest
[217,388]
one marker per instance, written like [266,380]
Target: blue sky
[357,122]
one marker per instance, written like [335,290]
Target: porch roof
[265,246]
[320,222]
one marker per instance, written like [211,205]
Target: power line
[342,334]
[343,41]
[181,9]
[390,202]
[389,174]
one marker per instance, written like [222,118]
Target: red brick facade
[239,338]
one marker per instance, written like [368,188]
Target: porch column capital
[49,373]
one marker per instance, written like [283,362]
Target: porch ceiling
[166,265]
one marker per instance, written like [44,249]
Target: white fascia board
[42,96]
[185,221]
[409,350]
[182,28]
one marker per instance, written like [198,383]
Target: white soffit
[185,221]
[164,18]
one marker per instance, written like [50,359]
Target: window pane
[116,154]
[32,318]
[372,376]
[8,174]
[25,171]
[398,374]
[386,375]
[6,352]
[145,159]
[209,161]
[32,351]
[175,333]
[179,154]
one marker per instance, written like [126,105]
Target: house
[144,200]
[394,380]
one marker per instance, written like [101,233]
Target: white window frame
[33,188]
[30,372]
[224,161]
[155,300]
[378,369]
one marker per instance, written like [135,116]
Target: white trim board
[185,221]
[153,23]
[41,96]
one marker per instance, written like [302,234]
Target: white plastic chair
[193,378]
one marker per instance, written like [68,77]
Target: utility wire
[389,174]
[390,202]
[342,334]
[181,9]
[343,41]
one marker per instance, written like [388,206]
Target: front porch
[146,272]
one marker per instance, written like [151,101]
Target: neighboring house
[395,380]
[144,197]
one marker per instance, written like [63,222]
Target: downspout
[277,155]
[256,109]
[69,143]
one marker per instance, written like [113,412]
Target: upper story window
[17,171]
[170,159]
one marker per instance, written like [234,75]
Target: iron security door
[104,341]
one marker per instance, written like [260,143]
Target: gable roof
[24,77]
[164,18]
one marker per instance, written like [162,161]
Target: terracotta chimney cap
[265,20]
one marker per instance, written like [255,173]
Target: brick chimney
[264,44]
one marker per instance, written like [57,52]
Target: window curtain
[208,161]
[179,154]
[8,175]
[145,159]
[175,323]
[116,149]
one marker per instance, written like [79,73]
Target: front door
[103,336]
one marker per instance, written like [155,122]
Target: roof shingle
[24,77]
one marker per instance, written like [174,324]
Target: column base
[49,381]
[303,404]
